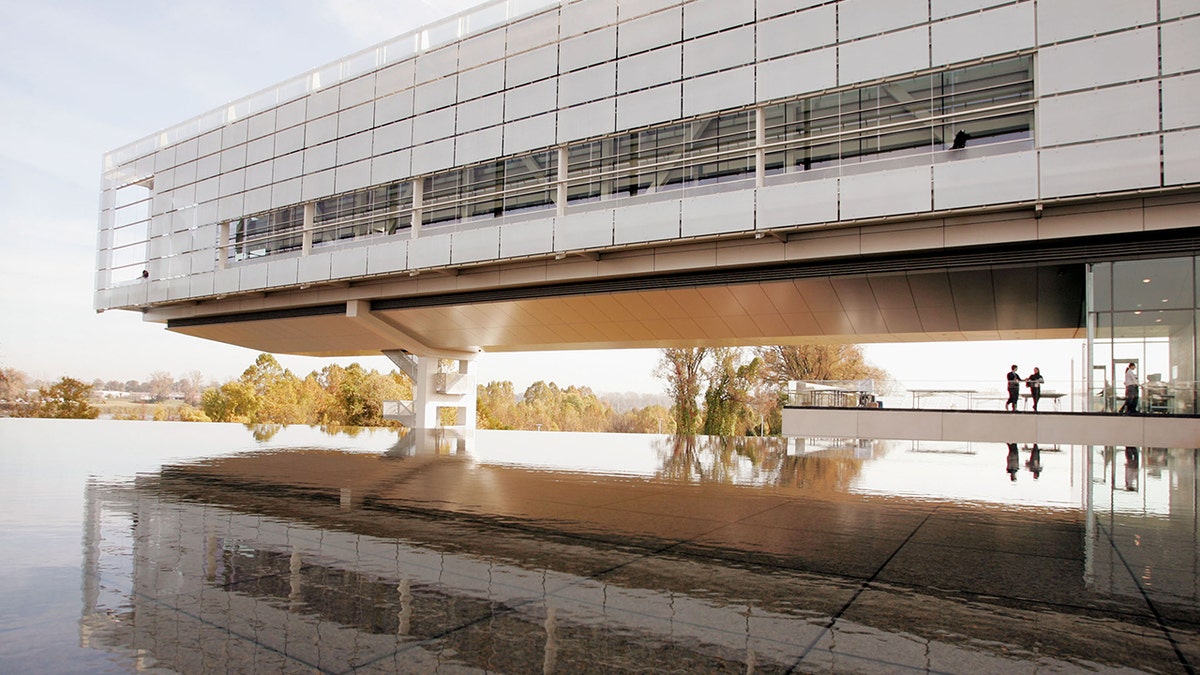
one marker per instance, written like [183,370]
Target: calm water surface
[173,547]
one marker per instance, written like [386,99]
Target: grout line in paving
[861,589]
[1162,623]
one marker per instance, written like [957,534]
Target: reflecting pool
[196,548]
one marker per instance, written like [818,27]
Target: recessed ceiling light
[1146,281]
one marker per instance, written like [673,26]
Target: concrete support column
[434,389]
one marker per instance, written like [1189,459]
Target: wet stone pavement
[663,555]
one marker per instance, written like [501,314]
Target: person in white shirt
[1131,390]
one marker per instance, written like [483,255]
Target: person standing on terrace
[1014,389]
[1034,382]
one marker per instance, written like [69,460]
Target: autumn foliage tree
[548,407]
[681,369]
[817,362]
[728,399]
[66,399]
[746,396]
[338,396]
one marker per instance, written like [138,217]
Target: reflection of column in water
[404,624]
[551,652]
[92,538]
[294,588]
[210,555]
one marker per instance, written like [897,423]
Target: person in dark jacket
[1014,389]
[1034,382]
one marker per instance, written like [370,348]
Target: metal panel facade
[644,96]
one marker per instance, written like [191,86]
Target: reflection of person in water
[1035,461]
[1014,461]
[1131,468]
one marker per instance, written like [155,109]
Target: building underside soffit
[1019,302]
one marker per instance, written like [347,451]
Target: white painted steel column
[222,245]
[760,140]
[560,196]
[310,217]
[418,193]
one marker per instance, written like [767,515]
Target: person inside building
[1131,390]
[1014,389]
[1034,382]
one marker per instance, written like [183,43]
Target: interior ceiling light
[1145,281]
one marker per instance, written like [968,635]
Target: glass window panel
[1150,285]
[809,129]
[481,190]
[131,234]
[132,213]
[967,93]
[530,182]
[130,194]
[484,18]
[130,256]
[364,213]
[1102,287]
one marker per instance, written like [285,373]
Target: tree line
[721,391]
[732,391]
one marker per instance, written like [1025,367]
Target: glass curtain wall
[988,103]
[1144,314]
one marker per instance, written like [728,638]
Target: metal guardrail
[833,393]
[399,411]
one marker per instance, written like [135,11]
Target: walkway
[1003,427]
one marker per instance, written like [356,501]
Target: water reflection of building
[198,587]
[1145,500]
[327,560]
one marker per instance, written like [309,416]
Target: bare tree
[161,385]
[13,384]
[817,362]
[192,385]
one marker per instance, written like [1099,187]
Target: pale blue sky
[79,78]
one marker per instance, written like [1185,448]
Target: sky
[80,78]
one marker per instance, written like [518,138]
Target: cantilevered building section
[615,173]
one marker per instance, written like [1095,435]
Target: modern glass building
[537,174]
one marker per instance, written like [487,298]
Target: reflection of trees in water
[832,471]
[751,460]
[721,459]
[351,431]
[264,432]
